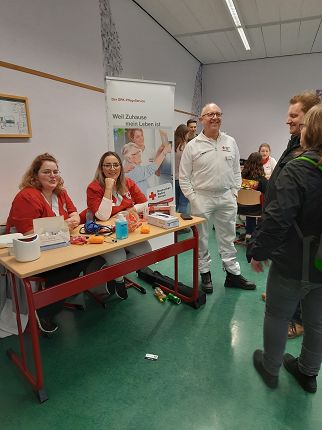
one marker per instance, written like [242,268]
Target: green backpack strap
[309,160]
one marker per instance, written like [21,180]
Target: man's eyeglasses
[212,114]
[110,165]
[50,172]
[301,126]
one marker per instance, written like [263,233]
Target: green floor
[97,378]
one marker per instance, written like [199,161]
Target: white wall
[254,97]
[150,53]
[62,37]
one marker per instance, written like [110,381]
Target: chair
[247,197]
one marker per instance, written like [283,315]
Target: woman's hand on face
[109,183]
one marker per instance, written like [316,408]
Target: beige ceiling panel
[289,38]
[172,15]
[308,32]
[256,42]
[268,10]
[224,45]
[273,27]
[297,9]
[206,49]
[248,11]
[317,47]
[210,14]
[272,40]
[238,46]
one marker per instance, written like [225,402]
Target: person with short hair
[296,203]
[299,105]
[192,126]
[210,178]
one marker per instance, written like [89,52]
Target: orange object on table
[96,239]
[145,229]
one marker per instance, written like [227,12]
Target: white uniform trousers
[221,211]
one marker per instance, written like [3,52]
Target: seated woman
[268,162]
[253,177]
[109,193]
[42,195]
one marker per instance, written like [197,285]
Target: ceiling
[273,28]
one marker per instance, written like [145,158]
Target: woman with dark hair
[42,195]
[268,162]
[291,219]
[253,177]
[180,141]
[109,193]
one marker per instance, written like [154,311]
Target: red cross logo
[152,195]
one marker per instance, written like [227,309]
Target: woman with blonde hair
[108,194]
[42,194]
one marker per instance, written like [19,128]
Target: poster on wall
[140,116]
[14,116]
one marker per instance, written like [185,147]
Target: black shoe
[206,284]
[120,290]
[238,281]
[308,383]
[110,288]
[46,324]
[270,380]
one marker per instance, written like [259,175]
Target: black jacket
[288,155]
[296,195]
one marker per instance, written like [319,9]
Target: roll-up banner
[140,117]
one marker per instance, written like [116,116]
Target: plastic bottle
[121,227]
[145,213]
[159,294]
[172,298]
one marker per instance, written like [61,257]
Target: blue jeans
[283,296]
[181,200]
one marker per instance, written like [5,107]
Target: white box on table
[163,220]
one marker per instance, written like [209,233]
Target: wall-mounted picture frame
[14,117]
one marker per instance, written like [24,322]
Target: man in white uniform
[210,178]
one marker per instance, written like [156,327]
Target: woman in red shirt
[42,195]
[109,193]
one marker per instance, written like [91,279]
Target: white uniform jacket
[210,166]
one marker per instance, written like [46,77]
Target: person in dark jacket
[298,106]
[297,197]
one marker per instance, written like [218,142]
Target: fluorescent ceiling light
[234,14]
[243,38]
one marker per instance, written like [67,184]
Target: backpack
[307,240]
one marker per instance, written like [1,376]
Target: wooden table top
[63,256]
